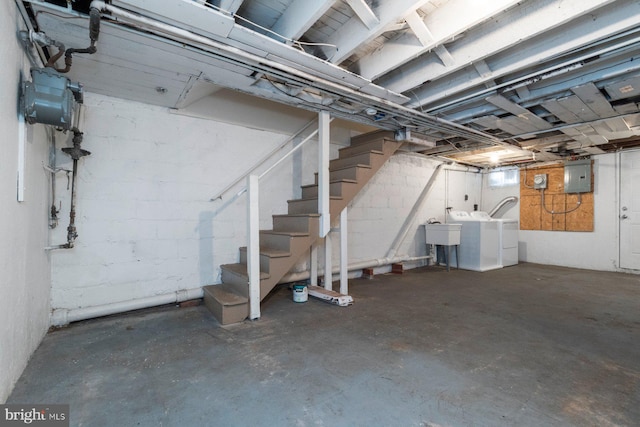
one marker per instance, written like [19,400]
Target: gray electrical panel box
[577,176]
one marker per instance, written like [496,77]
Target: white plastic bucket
[300,293]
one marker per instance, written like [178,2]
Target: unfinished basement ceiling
[483,82]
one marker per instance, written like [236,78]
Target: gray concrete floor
[528,345]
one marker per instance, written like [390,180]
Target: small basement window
[504,178]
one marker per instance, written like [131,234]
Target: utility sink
[442,234]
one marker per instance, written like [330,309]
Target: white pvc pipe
[303,275]
[63,316]
[435,122]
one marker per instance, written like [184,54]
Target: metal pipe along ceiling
[286,72]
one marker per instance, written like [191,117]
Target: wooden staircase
[294,233]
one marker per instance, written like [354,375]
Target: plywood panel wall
[560,211]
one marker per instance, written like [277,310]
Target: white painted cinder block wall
[25,278]
[379,211]
[146,225]
[145,221]
[597,250]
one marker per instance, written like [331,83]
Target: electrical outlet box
[577,176]
[540,181]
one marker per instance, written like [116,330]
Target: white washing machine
[508,234]
[479,242]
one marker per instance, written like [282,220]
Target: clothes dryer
[508,230]
[479,242]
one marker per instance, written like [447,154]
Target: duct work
[52,99]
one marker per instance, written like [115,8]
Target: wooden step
[376,146]
[335,188]
[226,304]
[355,173]
[268,257]
[236,275]
[295,232]
[302,206]
[280,240]
[367,158]
[372,136]
[307,222]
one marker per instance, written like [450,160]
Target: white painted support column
[344,255]
[323,173]
[328,267]
[253,245]
[313,267]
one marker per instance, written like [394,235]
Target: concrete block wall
[379,211]
[147,226]
[145,221]
[24,264]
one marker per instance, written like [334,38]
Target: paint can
[300,292]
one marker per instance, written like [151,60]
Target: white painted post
[327,263]
[313,279]
[323,173]
[344,256]
[253,245]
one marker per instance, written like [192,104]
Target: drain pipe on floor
[63,316]
[360,265]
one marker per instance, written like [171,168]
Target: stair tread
[285,233]
[357,165]
[372,136]
[314,198]
[310,215]
[351,167]
[225,295]
[348,167]
[241,269]
[365,151]
[350,181]
[271,253]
